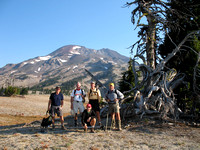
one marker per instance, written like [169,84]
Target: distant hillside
[64,67]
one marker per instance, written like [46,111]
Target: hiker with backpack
[55,105]
[88,118]
[77,98]
[94,97]
[112,97]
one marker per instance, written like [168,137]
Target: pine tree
[127,81]
[185,60]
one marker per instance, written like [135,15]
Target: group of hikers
[91,114]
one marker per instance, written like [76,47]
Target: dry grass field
[20,130]
[18,109]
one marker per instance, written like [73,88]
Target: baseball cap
[92,82]
[112,84]
[89,105]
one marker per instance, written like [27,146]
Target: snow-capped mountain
[65,64]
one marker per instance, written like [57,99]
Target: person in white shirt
[77,97]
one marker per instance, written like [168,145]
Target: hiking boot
[100,124]
[63,127]
[92,130]
[112,124]
[75,123]
[119,128]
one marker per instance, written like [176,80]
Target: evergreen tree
[1,91]
[127,81]
[23,91]
[185,60]
[10,91]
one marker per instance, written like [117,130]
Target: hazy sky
[31,28]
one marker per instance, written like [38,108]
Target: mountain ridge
[64,64]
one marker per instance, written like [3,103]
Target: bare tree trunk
[150,45]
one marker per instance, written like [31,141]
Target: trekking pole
[107,121]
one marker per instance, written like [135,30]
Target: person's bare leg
[53,122]
[75,119]
[92,123]
[118,116]
[62,122]
[98,117]
[118,119]
[113,120]
[85,128]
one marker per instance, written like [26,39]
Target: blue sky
[31,28]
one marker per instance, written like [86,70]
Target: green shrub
[24,91]
[10,91]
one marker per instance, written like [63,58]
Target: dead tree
[153,19]
[155,90]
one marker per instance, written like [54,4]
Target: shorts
[88,123]
[56,110]
[113,108]
[95,105]
[78,105]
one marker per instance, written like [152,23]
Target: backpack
[91,91]
[82,94]
[46,121]
[114,91]
[94,92]
[75,91]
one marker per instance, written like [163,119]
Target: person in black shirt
[88,118]
[55,105]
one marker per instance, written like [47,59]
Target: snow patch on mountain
[76,47]
[62,60]
[37,60]
[44,57]
[75,67]
[39,68]
[112,62]
[75,52]
[13,71]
